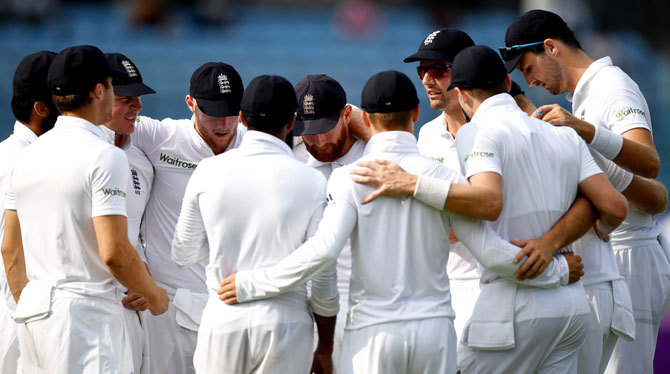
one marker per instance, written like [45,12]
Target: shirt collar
[264,141]
[70,121]
[392,142]
[589,73]
[197,140]
[111,137]
[23,132]
[495,102]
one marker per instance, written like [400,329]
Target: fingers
[523,252]
[522,272]
[375,194]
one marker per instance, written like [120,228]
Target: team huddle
[282,230]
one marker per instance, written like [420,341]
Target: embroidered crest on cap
[429,38]
[224,83]
[130,69]
[308,104]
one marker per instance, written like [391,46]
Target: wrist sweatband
[432,191]
[606,142]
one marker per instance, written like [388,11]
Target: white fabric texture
[9,343]
[426,346]
[171,345]
[600,339]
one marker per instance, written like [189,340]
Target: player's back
[399,246]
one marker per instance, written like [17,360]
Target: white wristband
[606,142]
[432,191]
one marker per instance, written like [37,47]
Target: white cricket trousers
[425,346]
[600,339]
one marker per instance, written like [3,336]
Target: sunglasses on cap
[435,71]
[508,53]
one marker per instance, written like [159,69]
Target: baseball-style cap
[516,90]
[477,67]
[320,100]
[218,89]
[130,84]
[442,44]
[77,69]
[527,31]
[269,98]
[388,92]
[30,77]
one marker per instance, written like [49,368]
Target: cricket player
[324,121]
[35,114]
[523,161]
[127,104]
[175,148]
[400,318]
[610,113]
[250,208]
[66,236]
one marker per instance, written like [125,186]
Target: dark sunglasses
[508,53]
[435,71]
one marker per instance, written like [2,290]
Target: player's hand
[556,115]
[539,257]
[322,363]
[227,292]
[388,179]
[135,301]
[575,265]
[158,304]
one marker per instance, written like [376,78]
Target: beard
[329,152]
[49,122]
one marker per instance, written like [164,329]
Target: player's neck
[454,120]
[574,67]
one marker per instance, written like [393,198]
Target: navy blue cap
[218,89]
[30,77]
[442,44]
[130,84]
[531,27]
[477,67]
[76,70]
[320,100]
[269,98]
[388,92]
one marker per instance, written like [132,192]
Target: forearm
[15,267]
[497,255]
[131,271]
[648,195]
[325,327]
[573,225]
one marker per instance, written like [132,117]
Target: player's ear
[190,102]
[365,118]
[243,119]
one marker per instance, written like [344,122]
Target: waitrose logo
[113,192]
[176,162]
[628,111]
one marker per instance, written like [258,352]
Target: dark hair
[267,125]
[393,120]
[483,93]
[23,107]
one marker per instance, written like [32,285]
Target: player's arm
[124,263]
[633,150]
[323,355]
[313,256]
[497,255]
[646,194]
[611,205]
[189,243]
[12,254]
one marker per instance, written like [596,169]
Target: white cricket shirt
[606,96]
[65,178]
[250,208]
[174,148]
[139,188]
[436,142]
[399,246]
[9,151]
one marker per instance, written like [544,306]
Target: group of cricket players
[281,229]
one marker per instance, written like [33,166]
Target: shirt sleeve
[626,109]
[497,255]
[189,243]
[109,182]
[148,133]
[315,255]
[10,203]
[478,150]
[588,166]
[618,177]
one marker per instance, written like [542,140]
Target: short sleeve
[626,109]
[109,182]
[478,150]
[148,132]
[10,203]
[588,166]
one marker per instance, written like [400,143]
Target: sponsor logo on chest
[176,162]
